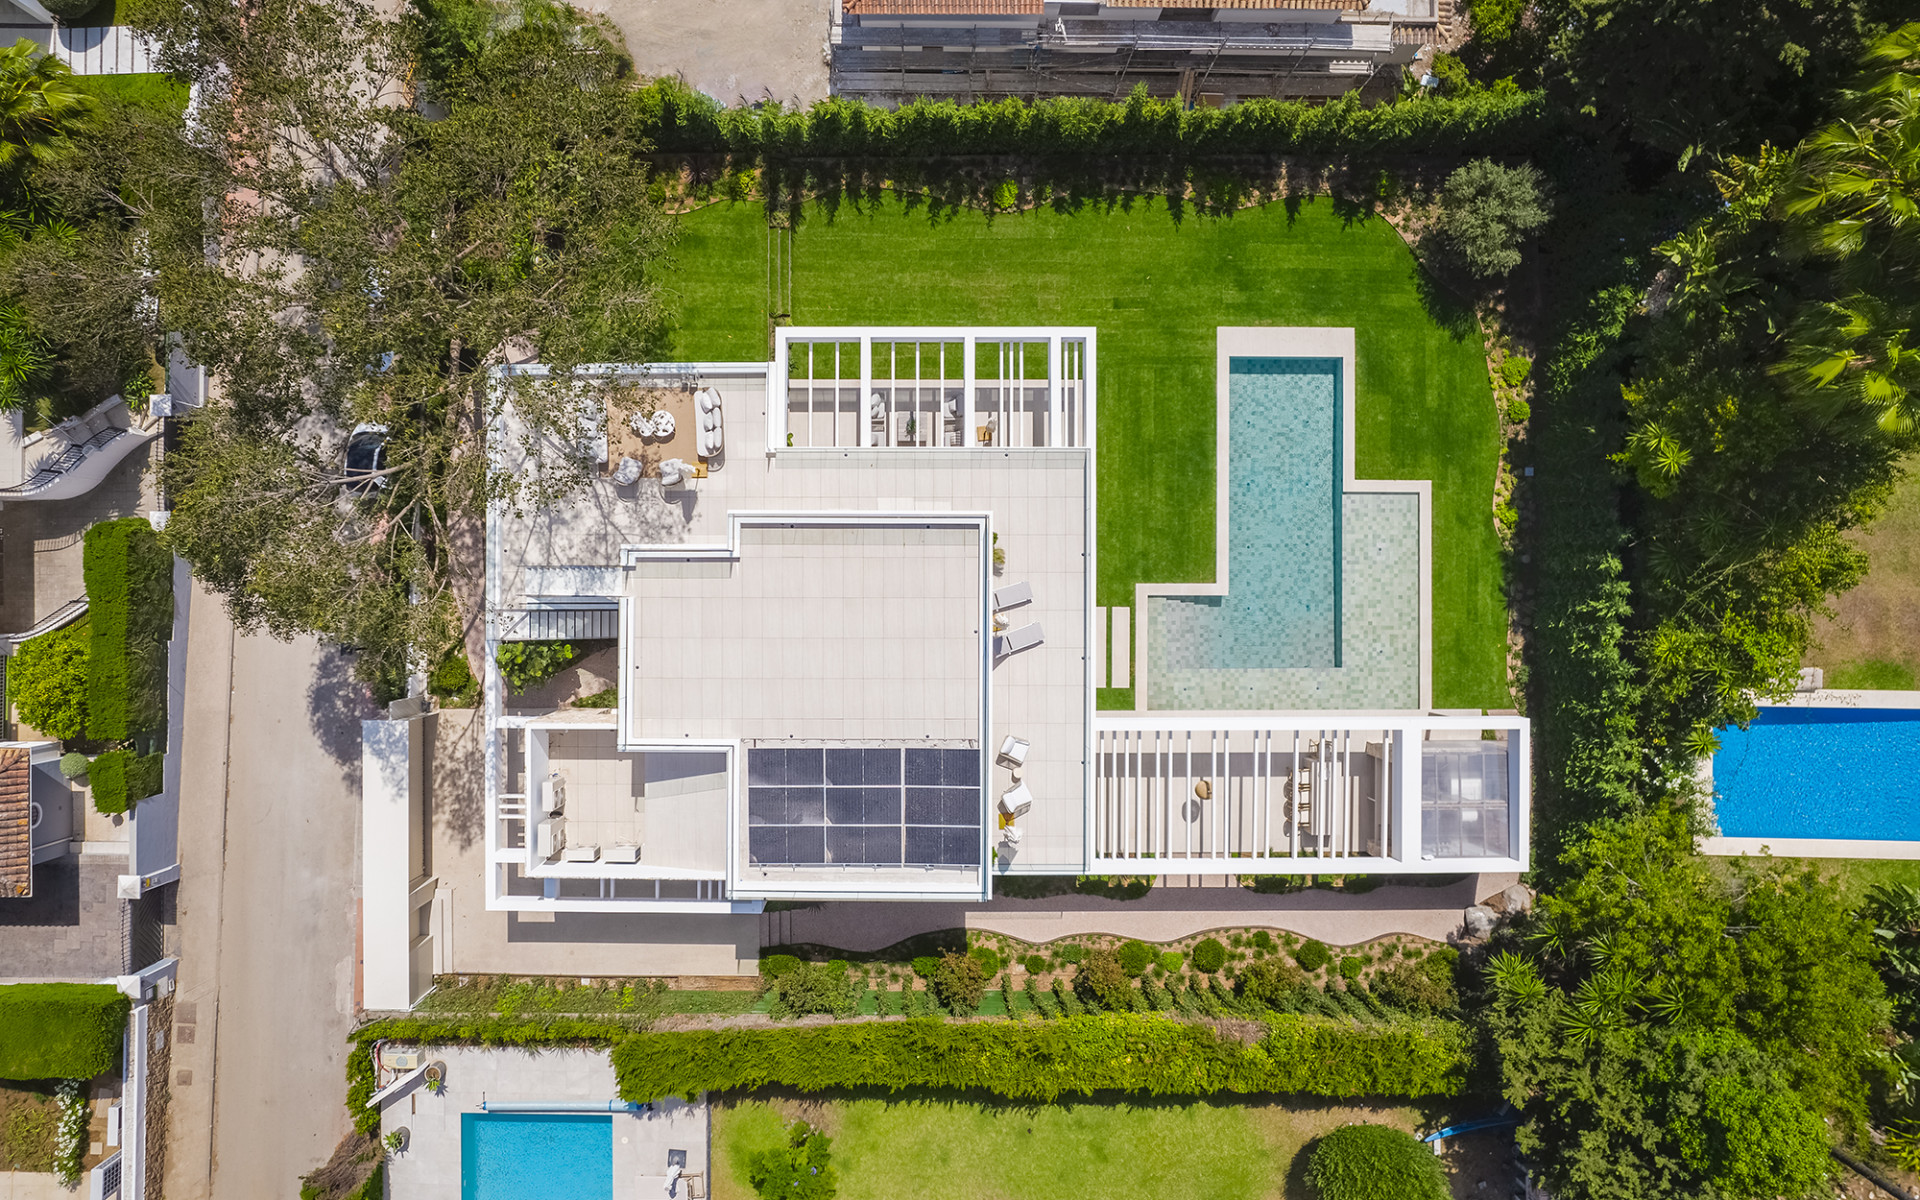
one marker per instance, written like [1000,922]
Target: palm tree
[40,108]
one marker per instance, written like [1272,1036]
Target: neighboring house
[36,814]
[891,51]
[860,649]
[26,19]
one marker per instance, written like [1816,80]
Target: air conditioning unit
[404,1060]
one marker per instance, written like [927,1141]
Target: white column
[866,389]
[1053,392]
[967,440]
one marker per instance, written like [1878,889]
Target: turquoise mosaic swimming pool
[1282,607]
[1323,585]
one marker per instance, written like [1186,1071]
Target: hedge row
[121,779]
[60,1030]
[1033,1060]
[129,581]
[675,119]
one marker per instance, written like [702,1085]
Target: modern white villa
[853,591]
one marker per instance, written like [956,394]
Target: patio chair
[662,425]
[1026,637]
[549,838]
[1016,800]
[1013,751]
[584,853]
[622,852]
[673,473]
[627,471]
[1012,596]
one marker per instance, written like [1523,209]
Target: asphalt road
[270,809]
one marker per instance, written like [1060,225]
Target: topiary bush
[74,766]
[1209,955]
[1035,963]
[1374,1162]
[1262,940]
[451,681]
[1136,957]
[774,965]
[1172,960]
[47,682]
[1518,411]
[1312,956]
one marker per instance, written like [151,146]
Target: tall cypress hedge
[60,1030]
[129,581]
[675,119]
[1042,1060]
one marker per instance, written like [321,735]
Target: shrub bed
[129,581]
[1043,1060]
[60,1030]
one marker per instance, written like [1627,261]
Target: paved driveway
[269,815]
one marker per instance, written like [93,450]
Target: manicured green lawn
[954,1150]
[1156,288]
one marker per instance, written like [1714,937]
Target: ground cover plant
[29,1127]
[60,1030]
[1424,402]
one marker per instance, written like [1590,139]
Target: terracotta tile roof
[943,8]
[16,823]
[1348,5]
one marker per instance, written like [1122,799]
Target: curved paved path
[1165,914]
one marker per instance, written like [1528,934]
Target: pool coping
[1734,847]
[1289,341]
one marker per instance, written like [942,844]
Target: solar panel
[865,805]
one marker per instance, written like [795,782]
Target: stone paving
[71,928]
[40,546]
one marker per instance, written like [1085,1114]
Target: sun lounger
[1012,596]
[1013,751]
[1015,640]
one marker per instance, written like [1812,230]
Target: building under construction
[893,51]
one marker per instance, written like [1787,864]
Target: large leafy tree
[1677,1028]
[375,249]
[1707,75]
[1774,401]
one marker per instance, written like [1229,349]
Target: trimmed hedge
[129,582]
[675,119]
[122,779]
[1375,1162]
[1044,1060]
[60,1030]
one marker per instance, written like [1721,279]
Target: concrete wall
[396,884]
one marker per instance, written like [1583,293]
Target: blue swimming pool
[1282,607]
[1839,773]
[535,1156]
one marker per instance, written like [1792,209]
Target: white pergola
[949,387]
[1279,793]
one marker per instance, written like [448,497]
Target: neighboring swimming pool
[535,1156]
[1282,607]
[1845,774]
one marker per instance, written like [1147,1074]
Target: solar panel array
[871,806]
